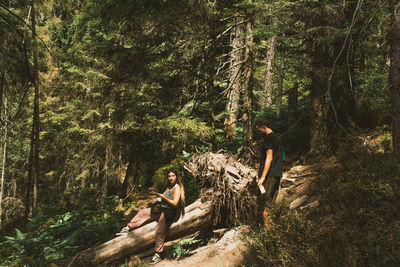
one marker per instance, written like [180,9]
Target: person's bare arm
[177,195]
[267,166]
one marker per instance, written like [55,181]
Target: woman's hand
[161,195]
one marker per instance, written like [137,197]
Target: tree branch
[22,20]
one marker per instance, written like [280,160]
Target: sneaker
[124,231]
[156,258]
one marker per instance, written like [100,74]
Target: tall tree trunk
[292,104]
[268,98]
[248,88]
[394,71]
[280,84]
[3,149]
[3,164]
[132,170]
[35,111]
[105,170]
[211,90]
[33,169]
[233,95]
[318,127]
[343,106]
[211,110]
[29,181]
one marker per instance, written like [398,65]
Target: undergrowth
[356,224]
[62,227]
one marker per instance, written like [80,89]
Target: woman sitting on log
[166,210]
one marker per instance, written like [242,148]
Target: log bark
[197,216]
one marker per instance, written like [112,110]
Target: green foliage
[66,226]
[183,248]
[357,223]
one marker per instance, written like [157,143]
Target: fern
[184,248]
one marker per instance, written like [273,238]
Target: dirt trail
[229,251]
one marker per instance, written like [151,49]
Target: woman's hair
[182,198]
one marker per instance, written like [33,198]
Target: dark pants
[271,185]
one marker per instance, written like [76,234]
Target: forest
[100,98]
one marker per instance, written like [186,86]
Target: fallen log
[228,192]
[197,216]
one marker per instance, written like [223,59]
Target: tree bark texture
[197,216]
[248,89]
[233,94]
[394,72]
[267,100]
[318,127]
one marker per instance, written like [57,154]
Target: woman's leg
[161,230]
[140,218]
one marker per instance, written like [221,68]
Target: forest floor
[228,251]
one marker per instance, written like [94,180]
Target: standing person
[270,172]
[167,209]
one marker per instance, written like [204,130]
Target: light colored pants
[144,216]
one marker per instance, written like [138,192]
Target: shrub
[58,232]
